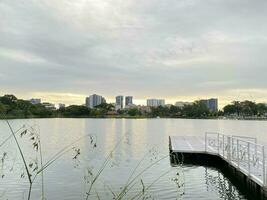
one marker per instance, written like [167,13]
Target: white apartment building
[155,102]
[119,103]
[94,100]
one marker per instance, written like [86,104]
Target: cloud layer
[178,49]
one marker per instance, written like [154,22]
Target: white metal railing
[243,152]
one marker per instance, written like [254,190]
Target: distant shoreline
[134,117]
[13,108]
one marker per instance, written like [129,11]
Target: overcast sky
[64,50]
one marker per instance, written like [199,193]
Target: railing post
[229,148]
[218,143]
[223,145]
[248,158]
[263,167]
[206,142]
[232,148]
[256,147]
[237,149]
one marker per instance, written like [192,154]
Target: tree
[8,99]
[261,109]
[245,108]
[2,108]
[75,111]
[238,107]
[102,109]
[197,110]
[229,110]
[134,112]
[174,111]
[160,111]
[248,108]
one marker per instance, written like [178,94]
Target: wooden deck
[190,144]
[252,165]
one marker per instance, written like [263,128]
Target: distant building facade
[35,101]
[181,104]
[155,102]
[119,103]
[212,104]
[94,100]
[128,100]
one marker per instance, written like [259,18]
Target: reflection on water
[216,181]
[144,140]
[201,182]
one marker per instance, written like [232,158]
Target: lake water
[139,143]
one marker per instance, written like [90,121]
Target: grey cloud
[145,48]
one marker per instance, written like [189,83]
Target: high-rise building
[94,100]
[119,103]
[35,101]
[155,102]
[212,104]
[128,100]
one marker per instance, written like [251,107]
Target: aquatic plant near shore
[34,166]
[135,177]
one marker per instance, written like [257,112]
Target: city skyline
[134,100]
[176,50]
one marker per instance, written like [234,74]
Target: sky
[179,50]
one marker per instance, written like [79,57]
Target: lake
[131,145]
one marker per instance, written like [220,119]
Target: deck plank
[194,144]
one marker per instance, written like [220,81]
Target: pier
[241,157]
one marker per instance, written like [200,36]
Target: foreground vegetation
[30,165]
[11,107]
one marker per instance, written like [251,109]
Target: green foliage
[245,108]
[83,111]
[2,108]
[8,99]
[160,111]
[105,106]
[175,111]
[134,112]
[12,107]
[74,111]
[230,109]
[102,109]
[197,110]
[262,109]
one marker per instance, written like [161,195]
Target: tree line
[12,107]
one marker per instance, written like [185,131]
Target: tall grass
[35,169]
[135,177]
